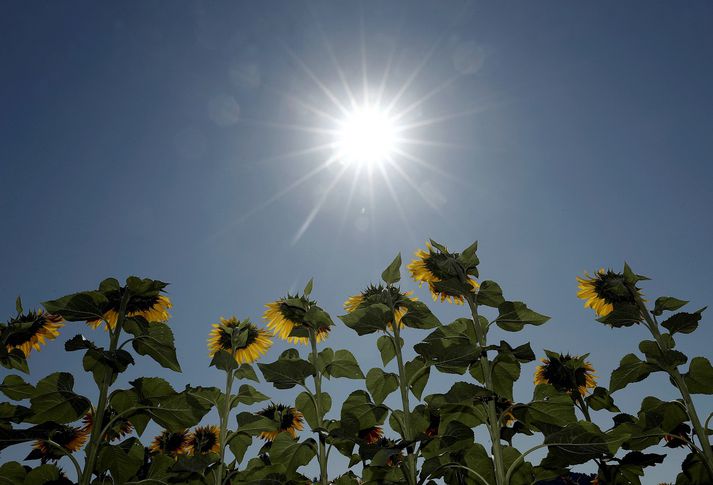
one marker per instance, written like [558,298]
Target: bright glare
[367,136]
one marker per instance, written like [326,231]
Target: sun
[366,136]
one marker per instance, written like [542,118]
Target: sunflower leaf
[344,364]
[246,371]
[631,369]
[418,315]
[16,388]
[155,339]
[305,404]
[123,460]
[699,377]
[247,394]
[359,412]
[392,274]
[667,303]
[600,399]
[490,294]
[308,287]
[368,319]
[238,444]
[683,322]
[87,305]
[514,315]
[385,344]
[106,365]
[417,372]
[55,400]
[254,424]
[14,359]
[288,371]
[224,361]
[380,384]
[292,454]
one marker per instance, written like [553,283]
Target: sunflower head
[371,435]
[570,374]
[289,319]
[394,459]
[69,438]
[287,418]
[242,339]
[146,301]
[607,290]
[170,443]
[447,274]
[434,421]
[678,437]
[119,428]
[203,440]
[31,330]
[503,408]
[387,295]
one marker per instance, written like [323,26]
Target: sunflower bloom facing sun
[227,336]
[32,330]
[604,290]
[429,267]
[170,443]
[152,308]
[289,420]
[377,294]
[570,374]
[69,438]
[283,317]
[203,440]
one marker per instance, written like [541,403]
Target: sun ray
[289,126]
[398,116]
[350,196]
[395,197]
[429,166]
[296,153]
[317,207]
[414,186]
[443,118]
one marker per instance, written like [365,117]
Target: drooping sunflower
[204,439]
[376,294]
[371,435]
[32,330]
[428,267]
[170,443]
[394,459]
[503,408]
[678,437]
[434,422]
[225,336]
[288,418]
[604,290]
[153,308]
[283,317]
[120,428]
[69,438]
[570,374]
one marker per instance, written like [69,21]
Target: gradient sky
[157,139]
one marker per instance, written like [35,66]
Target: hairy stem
[403,387]
[224,414]
[322,454]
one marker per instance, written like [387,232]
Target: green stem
[322,454]
[678,379]
[403,387]
[494,424]
[224,414]
[96,437]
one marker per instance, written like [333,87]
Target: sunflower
[153,308]
[429,267]
[288,418]
[120,428]
[204,439]
[678,437]
[283,317]
[504,410]
[170,443]
[69,438]
[434,422]
[31,330]
[225,336]
[566,373]
[604,290]
[375,294]
[394,459]
[371,435]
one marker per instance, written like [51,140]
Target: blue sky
[159,141]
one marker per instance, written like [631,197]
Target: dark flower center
[24,328]
[611,287]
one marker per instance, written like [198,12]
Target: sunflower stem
[678,379]
[493,421]
[322,455]
[403,387]
[96,437]
[224,414]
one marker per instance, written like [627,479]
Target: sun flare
[366,136]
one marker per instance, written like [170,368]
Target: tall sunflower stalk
[95,438]
[232,343]
[321,451]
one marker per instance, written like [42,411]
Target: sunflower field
[477,432]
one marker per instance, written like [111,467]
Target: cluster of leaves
[468,434]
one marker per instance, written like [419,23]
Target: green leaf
[308,287]
[699,377]
[386,348]
[254,424]
[55,400]
[417,373]
[78,307]
[14,359]
[505,370]
[43,474]
[514,315]
[623,315]
[418,315]
[18,305]
[380,384]
[469,259]
[155,340]
[631,369]
[317,318]
[589,443]
[224,361]
[667,303]
[662,358]
[683,322]
[292,454]
[549,410]
[450,347]
[600,399]
[179,411]
[305,404]
[16,388]
[123,460]
[344,365]
[490,294]
[359,412]
[247,394]
[288,371]
[238,444]
[368,319]
[106,365]
[13,472]
[392,274]
[246,371]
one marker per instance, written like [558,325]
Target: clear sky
[160,139]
